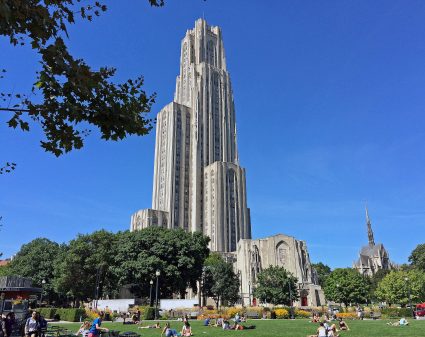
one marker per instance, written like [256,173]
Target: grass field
[278,328]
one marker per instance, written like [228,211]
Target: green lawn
[279,328]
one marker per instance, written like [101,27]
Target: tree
[375,280]
[394,287]
[37,260]
[277,286]
[417,257]
[323,271]
[175,253]
[83,269]
[72,94]
[5,270]
[219,281]
[346,285]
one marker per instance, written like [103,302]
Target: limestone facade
[253,256]
[198,182]
[196,140]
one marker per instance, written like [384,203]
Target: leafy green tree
[323,271]
[177,254]
[86,259]
[5,270]
[417,257]
[72,94]
[375,280]
[219,281]
[37,260]
[276,285]
[394,287]
[346,285]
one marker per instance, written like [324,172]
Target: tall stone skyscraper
[198,183]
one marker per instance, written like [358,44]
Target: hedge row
[65,314]
[396,312]
[149,313]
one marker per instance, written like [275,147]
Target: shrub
[149,313]
[272,314]
[70,315]
[302,313]
[281,313]
[347,315]
[396,312]
[232,311]
[47,312]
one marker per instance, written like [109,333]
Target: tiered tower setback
[198,183]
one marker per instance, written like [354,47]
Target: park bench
[252,314]
[375,315]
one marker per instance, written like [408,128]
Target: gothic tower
[198,183]
[369,230]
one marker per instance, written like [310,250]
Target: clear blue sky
[330,99]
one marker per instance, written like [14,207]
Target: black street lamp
[290,299]
[42,291]
[339,296]
[249,293]
[410,298]
[150,293]
[156,294]
[96,291]
[2,296]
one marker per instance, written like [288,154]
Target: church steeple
[369,229]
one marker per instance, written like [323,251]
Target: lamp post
[42,291]
[410,299]
[240,287]
[249,293]
[96,291]
[339,295]
[2,296]
[290,299]
[150,293]
[156,294]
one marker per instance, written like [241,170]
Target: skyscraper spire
[369,229]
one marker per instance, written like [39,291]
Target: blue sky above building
[329,102]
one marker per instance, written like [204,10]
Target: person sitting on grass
[343,325]
[226,325]
[333,331]
[219,322]
[207,321]
[155,326]
[84,329]
[315,318]
[186,330]
[321,331]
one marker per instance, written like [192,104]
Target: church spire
[369,229]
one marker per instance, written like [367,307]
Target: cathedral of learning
[199,184]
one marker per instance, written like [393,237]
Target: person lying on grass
[155,326]
[402,322]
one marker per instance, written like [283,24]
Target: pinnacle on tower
[369,229]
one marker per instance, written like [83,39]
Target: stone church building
[372,257]
[199,184]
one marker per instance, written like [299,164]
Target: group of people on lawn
[326,329]
[225,324]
